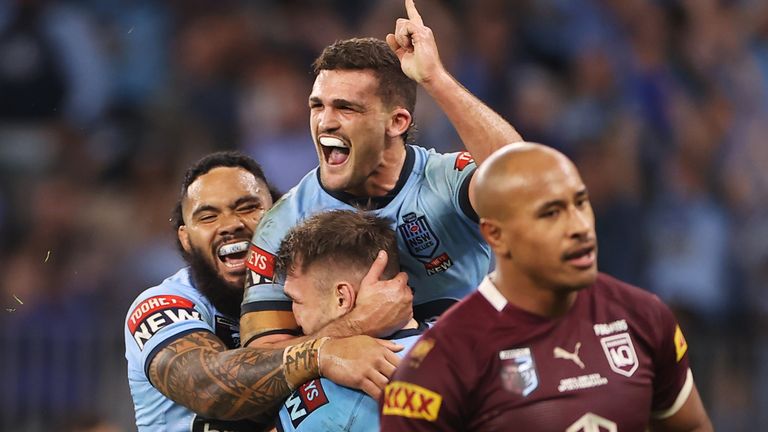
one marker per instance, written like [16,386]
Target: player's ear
[399,122]
[494,236]
[345,296]
[184,238]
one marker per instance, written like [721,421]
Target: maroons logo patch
[156,312]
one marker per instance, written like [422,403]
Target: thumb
[377,268]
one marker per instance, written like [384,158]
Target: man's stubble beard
[225,297]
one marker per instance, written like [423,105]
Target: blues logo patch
[418,236]
[518,371]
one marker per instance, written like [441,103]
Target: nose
[231,223]
[327,120]
[582,222]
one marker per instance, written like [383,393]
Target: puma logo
[574,356]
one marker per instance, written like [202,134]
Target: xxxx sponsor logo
[410,400]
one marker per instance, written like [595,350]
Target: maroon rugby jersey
[614,360]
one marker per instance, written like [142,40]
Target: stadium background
[103,103]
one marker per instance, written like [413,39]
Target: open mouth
[233,254]
[335,151]
[583,257]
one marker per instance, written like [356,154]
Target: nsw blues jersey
[159,316]
[322,405]
[440,245]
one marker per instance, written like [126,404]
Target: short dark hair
[395,88]
[347,238]
[209,162]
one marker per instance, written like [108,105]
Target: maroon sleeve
[426,391]
[671,384]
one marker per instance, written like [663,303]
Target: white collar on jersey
[492,294]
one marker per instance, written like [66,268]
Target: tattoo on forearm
[199,372]
[302,362]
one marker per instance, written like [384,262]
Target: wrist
[301,362]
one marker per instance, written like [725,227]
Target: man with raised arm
[361,110]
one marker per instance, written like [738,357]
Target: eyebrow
[561,203]
[338,102]
[238,202]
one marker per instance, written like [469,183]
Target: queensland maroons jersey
[614,361]
[159,316]
[440,245]
[322,405]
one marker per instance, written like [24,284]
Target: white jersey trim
[682,397]
[492,294]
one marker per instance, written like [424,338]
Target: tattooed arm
[198,371]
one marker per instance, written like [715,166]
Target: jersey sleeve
[158,317]
[673,381]
[263,292]
[426,391]
[450,174]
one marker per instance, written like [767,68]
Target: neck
[384,178]
[530,296]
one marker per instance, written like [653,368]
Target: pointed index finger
[413,14]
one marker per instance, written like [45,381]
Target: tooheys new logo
[157,312]
[261,264]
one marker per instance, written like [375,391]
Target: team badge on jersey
[518,371]
[462,160]
[262,266]
[306,399]
[620,353]
[418,236]
[156,312]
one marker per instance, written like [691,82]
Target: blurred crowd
[663,104]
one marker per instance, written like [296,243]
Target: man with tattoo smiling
[185,368]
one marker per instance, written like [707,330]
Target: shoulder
[611,289]
[642,306]
[462,323]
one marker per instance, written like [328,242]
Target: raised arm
[481,129]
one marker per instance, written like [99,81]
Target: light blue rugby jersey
[440,244]
[322,405]
[159,316]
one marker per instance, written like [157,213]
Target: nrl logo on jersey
[620,353]
[418,236]
[518,371]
